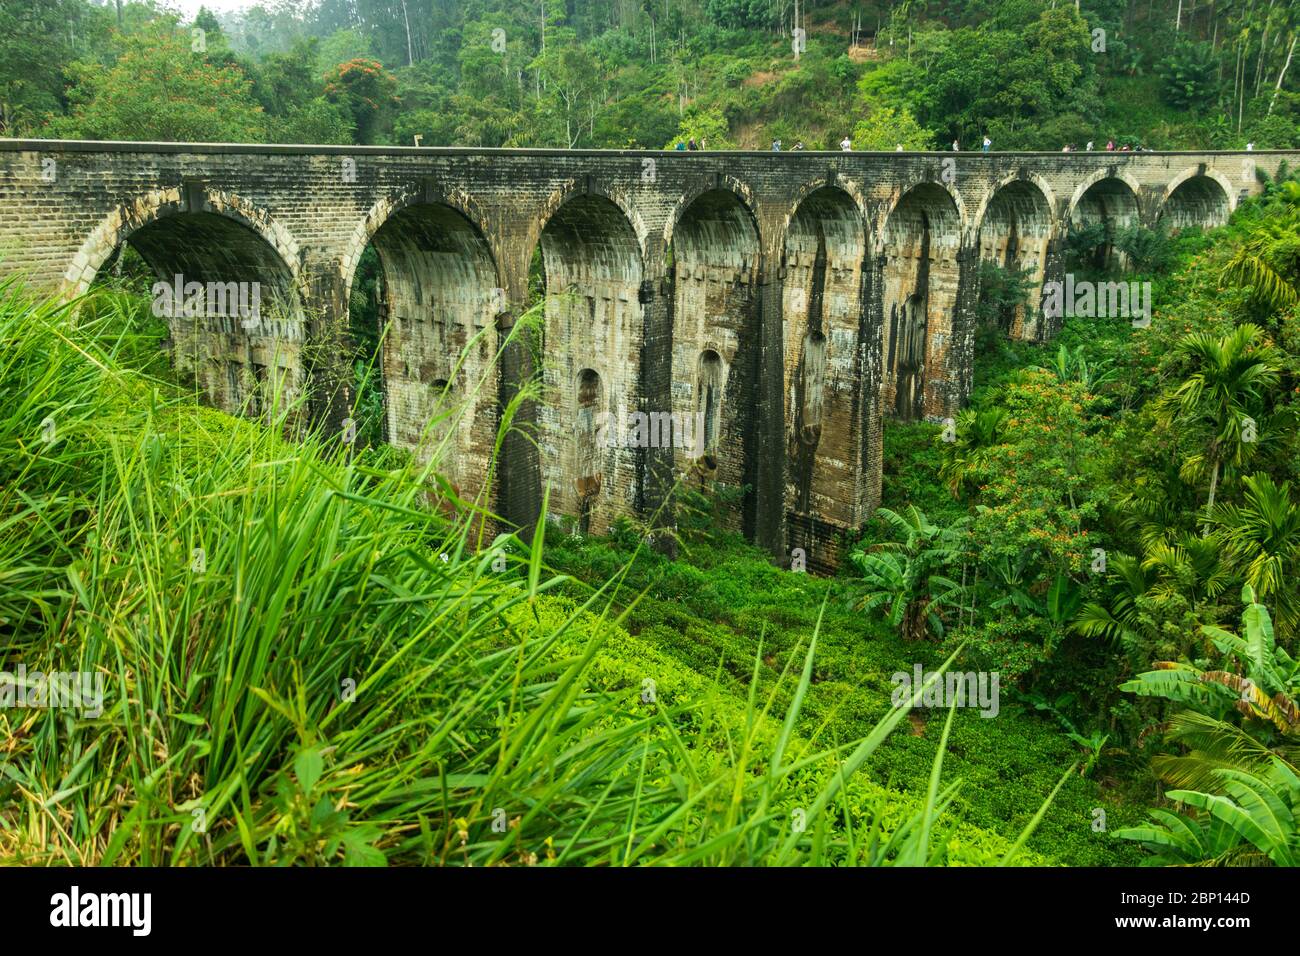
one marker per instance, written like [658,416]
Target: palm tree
[1223,399]
[1268,261]
[1261,536]
[905,576]
[1174,577]
[977,432]
[1154,508]
[1118,615]
[1188,566]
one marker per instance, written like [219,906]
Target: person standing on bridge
[1089,146]
[955,147]
[776,146]
[987,143]
[1110,147]
[846,144]
[692,144]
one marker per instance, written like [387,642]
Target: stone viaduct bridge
[788,302]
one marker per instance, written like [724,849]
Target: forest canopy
[1029,74]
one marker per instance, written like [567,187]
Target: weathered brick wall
[823,303]
[437,358]
[255,372]
[591,361]
[746,256]
[1016,232]
[715,333]
[921,243]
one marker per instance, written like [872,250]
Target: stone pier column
[960,363]
[765,519]
[656,477]
[871,376]
[519,481]
[1049,326]
[327,350]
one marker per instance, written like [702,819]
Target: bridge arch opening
[708,405]
[421,310]
[1014,235]
[1197,202]
[922,238]
[590,401]
[231,304]
[1105,209]
[824,296]
[591,445]
[714,255]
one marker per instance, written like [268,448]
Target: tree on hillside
[572,78]
[707,127]
[743,14]
[1261,538]
[1008,82]
[162,89]
[1187,75]
[885,128]
[366,93]
[342,46]
[206,21]
[1221,403]
[34,46]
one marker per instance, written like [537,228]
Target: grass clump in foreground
[304,662]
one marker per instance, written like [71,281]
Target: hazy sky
[191,7]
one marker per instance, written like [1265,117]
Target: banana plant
[1074,366]
[908,577]
[1266,691]
[1255,819]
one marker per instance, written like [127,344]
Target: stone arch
[383,210]
[1044,187]
[127,220]
[715,252]
[594,268]
[1109,199]
[742,191]
[1122,177]
[439,299]
[593,189]
[1197,197]
[1014,230]
[921,242]
[844,184]
[902,193]
[229,286]
[824,298]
